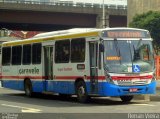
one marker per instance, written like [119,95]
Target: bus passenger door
[93,50]
[48,62]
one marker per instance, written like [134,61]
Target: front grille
[140,82]
[131,82]
[124,83]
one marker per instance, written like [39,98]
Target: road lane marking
[24,109]
[143,105]
[31,110]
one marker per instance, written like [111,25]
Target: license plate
[133,90]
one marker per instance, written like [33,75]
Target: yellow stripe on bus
[29,41]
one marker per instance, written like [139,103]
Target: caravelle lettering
[29,71]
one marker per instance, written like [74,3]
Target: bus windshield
[126,56]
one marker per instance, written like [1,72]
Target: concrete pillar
[147,97]
[107,20]
[99,20]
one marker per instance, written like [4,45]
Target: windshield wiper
[131,53]
[117,50]
[136,55]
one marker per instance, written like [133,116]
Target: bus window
[62,51]
[6,56]
[16,55]
[145,52]
[78,50]
[36,53]
[26,54]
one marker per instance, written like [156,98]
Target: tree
[151,22]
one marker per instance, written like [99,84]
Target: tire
[81,92]
[28,88]
[126,98]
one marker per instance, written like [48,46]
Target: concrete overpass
[47,16]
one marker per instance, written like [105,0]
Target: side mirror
[101,47]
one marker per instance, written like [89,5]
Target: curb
[155,98]
[147,98]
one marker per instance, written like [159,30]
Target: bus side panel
[100,88]
[34,74]
[60,87]
[65,77]
[71,87]
[38,86]
[10,78]
[13,84]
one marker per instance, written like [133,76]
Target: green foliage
[151,22]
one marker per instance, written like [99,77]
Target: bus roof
[63,34]
[79,30]
[56,35]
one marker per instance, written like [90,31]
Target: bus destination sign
[126,34]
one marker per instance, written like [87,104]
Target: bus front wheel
[126,98]
[81,92]
[28,88]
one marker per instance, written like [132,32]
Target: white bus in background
[85,62]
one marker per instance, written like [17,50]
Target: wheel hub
[81,91]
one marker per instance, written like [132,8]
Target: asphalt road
[45,106]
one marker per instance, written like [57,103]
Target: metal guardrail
[67,3]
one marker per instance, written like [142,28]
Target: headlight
[109,79]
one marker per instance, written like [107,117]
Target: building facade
[141,6]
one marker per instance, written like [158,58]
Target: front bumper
[109,89]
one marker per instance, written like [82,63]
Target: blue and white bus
[86,62]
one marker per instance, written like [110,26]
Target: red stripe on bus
[75,77]
[131,77]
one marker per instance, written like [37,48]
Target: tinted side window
[16,55]
[36,53]
[26,54]
[6,55]
[78,50]
[62,51]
